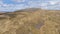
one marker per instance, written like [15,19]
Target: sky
[13,5]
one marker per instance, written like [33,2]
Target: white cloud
[34,4]
[43,5]
[11,7]
[53,2]
[18,0]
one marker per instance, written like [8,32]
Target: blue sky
[12,5]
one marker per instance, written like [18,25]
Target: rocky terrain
[30,21]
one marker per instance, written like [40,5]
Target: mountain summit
[30,21]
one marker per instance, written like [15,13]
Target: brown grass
[34,22]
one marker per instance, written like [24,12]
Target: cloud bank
[21,4]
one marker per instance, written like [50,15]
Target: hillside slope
[27,21]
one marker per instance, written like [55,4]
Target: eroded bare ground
[38,22]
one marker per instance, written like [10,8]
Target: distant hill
[30,21]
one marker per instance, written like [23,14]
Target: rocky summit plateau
[30,21]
